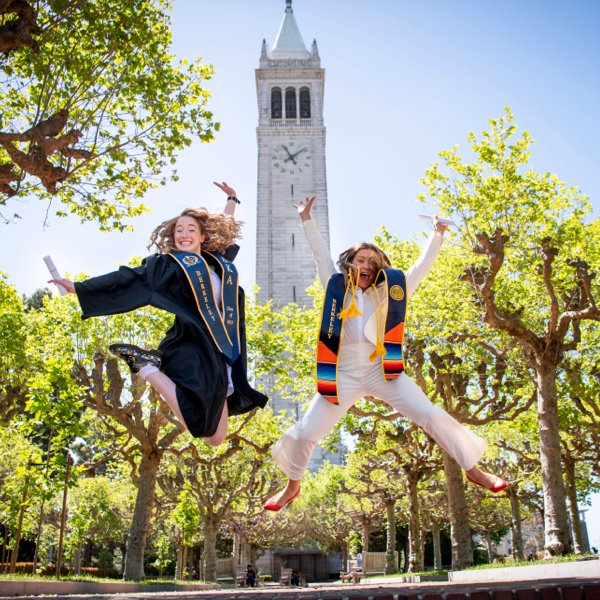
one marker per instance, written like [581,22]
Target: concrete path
[548,589]
[563,581]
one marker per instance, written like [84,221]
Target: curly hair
[380,261]
[220,231]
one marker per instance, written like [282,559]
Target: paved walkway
[574,588]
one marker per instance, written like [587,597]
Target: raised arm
[120,291]
[422,266]
[325,266]
[232,199]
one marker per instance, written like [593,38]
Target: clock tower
[291,167]
[291,162]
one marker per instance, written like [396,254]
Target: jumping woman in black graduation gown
[200,365]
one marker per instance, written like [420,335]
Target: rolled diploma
[440,220]
[55,274]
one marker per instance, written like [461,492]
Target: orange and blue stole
[395,285]
[331,330]
[222,322]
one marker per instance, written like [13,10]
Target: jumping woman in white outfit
[360,353]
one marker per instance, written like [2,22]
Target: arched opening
[290,103]
[276,104]
[304,103]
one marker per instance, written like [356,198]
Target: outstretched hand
[438,225]
[66,283]
[226,188]
[304,208]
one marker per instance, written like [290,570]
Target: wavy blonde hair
[381,260]
[220,231]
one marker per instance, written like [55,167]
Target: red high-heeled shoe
[497,487]
[270,505]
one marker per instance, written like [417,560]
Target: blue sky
[404,80]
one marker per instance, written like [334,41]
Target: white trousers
[358,377]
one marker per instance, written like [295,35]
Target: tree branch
[482,281]
[15,33]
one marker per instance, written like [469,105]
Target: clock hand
[299,151]
[290,156]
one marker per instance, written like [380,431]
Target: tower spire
[289,42]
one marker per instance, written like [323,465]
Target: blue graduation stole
[223,324]
[331,330]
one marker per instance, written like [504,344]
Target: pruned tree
[93,107]
[13,355]
[147,429]
[220,480]
[76,380]
[579,417]
[324,512]
[529,258]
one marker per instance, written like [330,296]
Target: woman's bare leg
[166,388]
[221,433]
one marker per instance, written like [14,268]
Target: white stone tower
[291,166]
[291,162]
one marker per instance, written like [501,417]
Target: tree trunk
[390,548]
[140,525]
[570,484]
[515,526]
[5,545]
[210,550]
[460,531]
[184,562]
[366,533]
[489,546]
[179,564]
[415,556]
[201,567]
[237,548]
[15,552]
[556,531]
[77,560]
[437,547]
[345,555]
[63,518]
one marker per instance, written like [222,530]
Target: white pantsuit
[358,377]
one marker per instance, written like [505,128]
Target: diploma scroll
[429,218]
[55,274]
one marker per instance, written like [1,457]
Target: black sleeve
[117,292]
[231,252]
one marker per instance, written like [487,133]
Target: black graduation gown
[191,358]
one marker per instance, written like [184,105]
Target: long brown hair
[380,261]
[220,231]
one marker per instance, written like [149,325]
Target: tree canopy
[94,108]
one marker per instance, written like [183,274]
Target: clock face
[291,158]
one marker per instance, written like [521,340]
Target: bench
[351,576]
[240,576]
[374,562]
[354,572]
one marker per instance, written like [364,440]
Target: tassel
[379,350]
[352,310]
[379,346]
